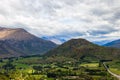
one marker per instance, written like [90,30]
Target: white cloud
[90,19]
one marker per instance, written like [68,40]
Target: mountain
[18,42]
[57,39]
[101,42]
[81,48]
[114,44]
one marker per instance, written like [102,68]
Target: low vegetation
[114,66]
[39,68]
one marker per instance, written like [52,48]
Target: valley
[41,68]
[24,56]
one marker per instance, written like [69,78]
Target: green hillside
[81,48]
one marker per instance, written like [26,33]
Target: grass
[115,70]
[96,77]
[30,60]
[91,65]
[114,67]
[19,65]
[37,77]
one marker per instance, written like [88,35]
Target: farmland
[39,68]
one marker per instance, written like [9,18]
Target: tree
[37,68]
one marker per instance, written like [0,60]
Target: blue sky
[61,20]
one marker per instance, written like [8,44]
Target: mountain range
[101,43]
[18,42]
[114,44]
[15,42]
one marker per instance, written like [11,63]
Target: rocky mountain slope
[18,42]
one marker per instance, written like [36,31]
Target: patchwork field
[36,68]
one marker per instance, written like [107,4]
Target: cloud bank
[61,20]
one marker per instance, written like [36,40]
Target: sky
[61,20]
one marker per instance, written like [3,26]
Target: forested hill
[80,48]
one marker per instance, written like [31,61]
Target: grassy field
[90,65]
[114,67]
[115,70]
